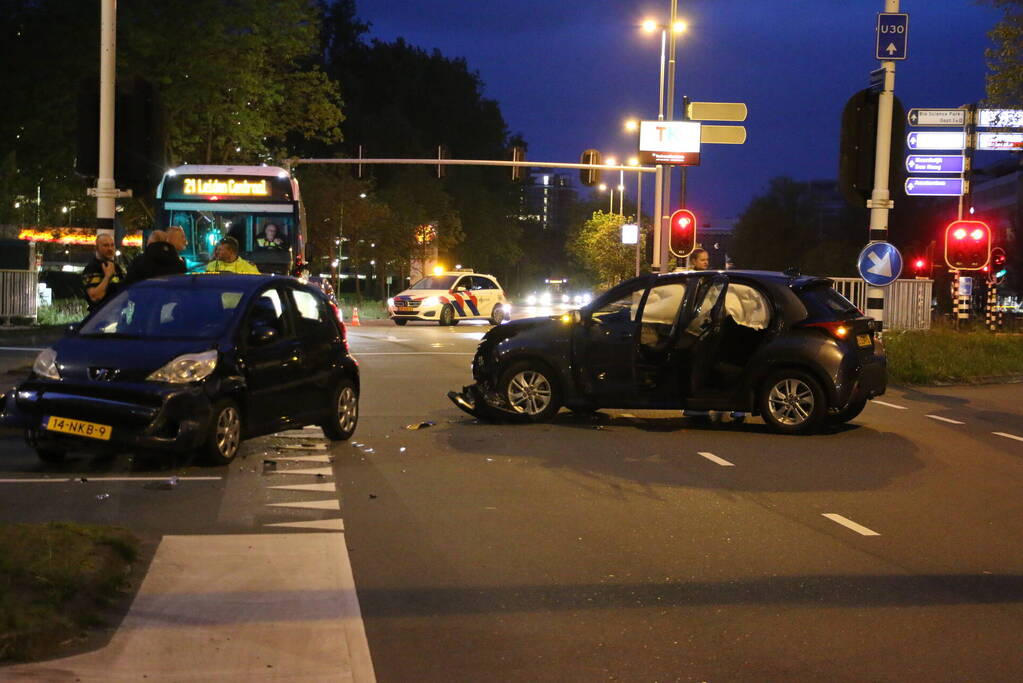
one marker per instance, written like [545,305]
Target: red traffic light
[682,229]
[967,245]
[919,264]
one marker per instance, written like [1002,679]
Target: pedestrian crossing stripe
[319,524]
[329,504]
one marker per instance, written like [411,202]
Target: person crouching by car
[160,256]
[103,277]
[228,260]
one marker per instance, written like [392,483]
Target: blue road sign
[880,264]
[943,139]
[934,187]
[935,163]
[892,36]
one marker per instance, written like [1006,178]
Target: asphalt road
[626,546]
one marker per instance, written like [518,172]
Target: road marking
[304,447]
[1008,436]
[945,419]
[322,524]
[302,458]
[714,458]
[21,348]
[328,487]
[890,405]
[846,522]
[89,480]
[325,471]
[331,504]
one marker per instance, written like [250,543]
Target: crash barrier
[907,304]
[18,294]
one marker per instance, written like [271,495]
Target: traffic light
[590,176]
[920,267]
[967,245]
[998,266]
[683,233]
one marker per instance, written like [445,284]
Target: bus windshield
[255,232]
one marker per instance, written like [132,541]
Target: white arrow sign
[882,265]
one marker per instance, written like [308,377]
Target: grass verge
[944,356]
[55,581]
[369,309]
[62,312]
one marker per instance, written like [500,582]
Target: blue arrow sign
[892,35]
[880,264]
[935,163]
[934,187]
[944,139]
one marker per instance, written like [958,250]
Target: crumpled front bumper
[483,404]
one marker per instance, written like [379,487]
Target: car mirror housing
[262,335]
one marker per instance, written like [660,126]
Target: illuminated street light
[631,125]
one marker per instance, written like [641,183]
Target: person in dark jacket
[160,256]
[103,277]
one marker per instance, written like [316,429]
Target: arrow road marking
[882,266]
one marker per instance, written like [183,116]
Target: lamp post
[634,161]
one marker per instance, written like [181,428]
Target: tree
[597,247]
[1005,59]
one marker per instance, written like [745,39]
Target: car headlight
[430,301]
[190,367]
[46,364]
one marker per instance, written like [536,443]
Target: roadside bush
[62,312]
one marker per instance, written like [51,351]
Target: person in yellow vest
[228,260]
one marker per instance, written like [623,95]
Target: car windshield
[178,312]
[435,282]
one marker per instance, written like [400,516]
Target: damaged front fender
[484,405]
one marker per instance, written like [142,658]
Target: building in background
[547,199]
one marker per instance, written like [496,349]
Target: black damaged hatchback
[191,364]
[783,346]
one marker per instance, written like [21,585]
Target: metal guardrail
[907,302]
[18,294]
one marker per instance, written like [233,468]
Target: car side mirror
[261,335]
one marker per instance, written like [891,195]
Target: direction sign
[716,111]
[880,264]
[934,187]
[937,117]
[951,139]
[935,163]
[1000,118]
[1000,141]
[892,34]
[722,135]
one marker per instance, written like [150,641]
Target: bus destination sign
[227,187]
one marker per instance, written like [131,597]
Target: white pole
[639,217]
[659,181]
[105,182]
[670,112]
[880,197]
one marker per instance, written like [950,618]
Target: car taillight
[835,328]
[340,324]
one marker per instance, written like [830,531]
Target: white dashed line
[848,523]
[945,419]
[1008,436]
[302,458]
[304,447]
[890,405]
[715,459]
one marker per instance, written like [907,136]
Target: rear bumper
[173,420]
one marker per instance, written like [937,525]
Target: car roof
[247,282]
[794,280]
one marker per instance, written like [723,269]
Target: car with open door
[191,364]
[784,346]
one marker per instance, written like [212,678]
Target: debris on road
[269,466]
[420,425]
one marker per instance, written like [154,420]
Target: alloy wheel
[347,409]
[229,428]
[529,392]
[791,402]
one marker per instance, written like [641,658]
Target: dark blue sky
[566,73]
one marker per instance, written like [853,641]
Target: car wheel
[447,315]
[399,321]
[344,412]
[497,315]
[792,402]
[531,390]
[225,433]
[850,411]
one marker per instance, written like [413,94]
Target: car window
[623,308]
[268,310]
[312,318]
[707,295]
[435,282]
[822,300]
[484,283]
[165,313]
[747,306]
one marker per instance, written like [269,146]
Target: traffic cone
[355,318]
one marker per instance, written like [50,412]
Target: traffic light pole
[880,198]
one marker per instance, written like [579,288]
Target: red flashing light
[977,234]
[682,237]
[919,264]
[967,245]
[959,234]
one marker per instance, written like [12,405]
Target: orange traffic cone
[355,318]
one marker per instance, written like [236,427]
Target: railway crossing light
[967,245]
[683,233]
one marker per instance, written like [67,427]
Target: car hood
[510,329]
[128,360]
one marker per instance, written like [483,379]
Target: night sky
[566,73]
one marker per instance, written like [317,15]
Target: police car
[450,296]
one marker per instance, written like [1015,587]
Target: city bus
[260,206]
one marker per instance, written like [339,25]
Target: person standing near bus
[103,277]
[228,260]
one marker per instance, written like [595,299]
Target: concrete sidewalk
[261,607]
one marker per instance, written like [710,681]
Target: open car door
[699,338]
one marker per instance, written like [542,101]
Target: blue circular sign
[880,264]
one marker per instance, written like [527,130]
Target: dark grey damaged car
[784,346]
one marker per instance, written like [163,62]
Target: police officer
[103,277]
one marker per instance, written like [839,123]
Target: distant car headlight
[531,300]
[577,299]
[545,299]
[586,299]
[46,364]
[430,301]
[564,298]
[190,367]
[390,303]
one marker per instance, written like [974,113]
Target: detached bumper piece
[484,405]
